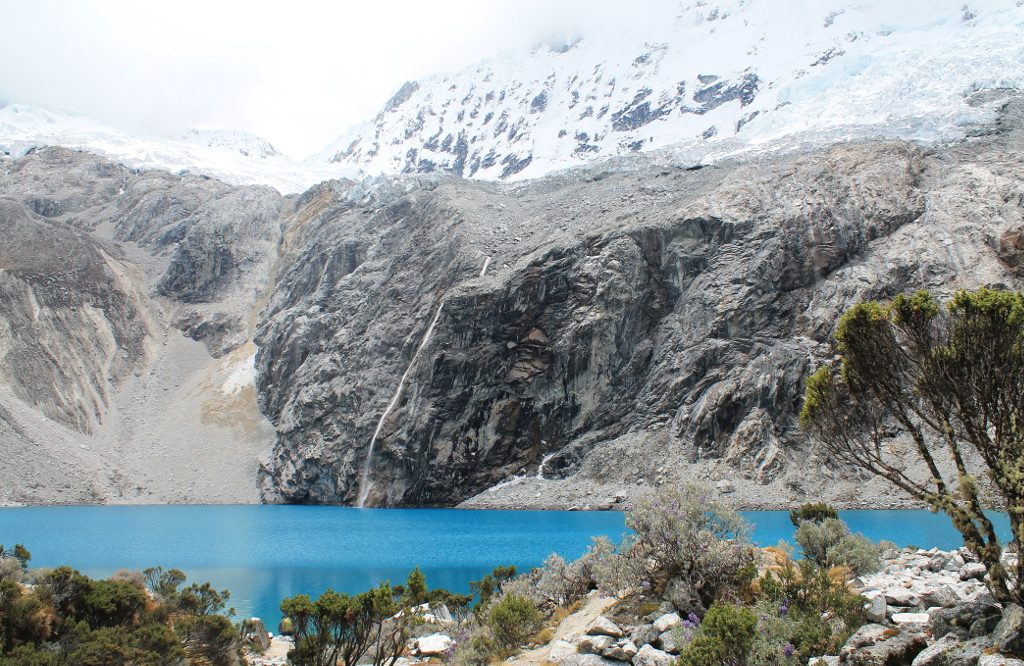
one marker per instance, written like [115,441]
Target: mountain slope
[608,330]
[234,157]
[717,78]
[126,361]
[432,340]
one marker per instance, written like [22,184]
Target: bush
[14,562]
[513,620]
[66,618]
[816,512]
[828,543]
[681,537]
[725,637]
[802,606]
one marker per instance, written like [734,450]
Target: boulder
[940,595]
[910,618]
[560,650]
[431,645]
[1009,633]
[935,654]
[875,609]
[682,597]
[667,642]
[901,597]
[967,653]
[972,571]
[999,660]
[588,660]
[867,635]
[602,626]
[594,644]
[621,651]
[900,648]
[649,656]
[827,660]
[967,620]
[725,487]
[645,634]
[666,622]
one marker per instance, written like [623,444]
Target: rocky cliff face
[422,340]
[644,324]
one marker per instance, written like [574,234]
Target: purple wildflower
[788,650]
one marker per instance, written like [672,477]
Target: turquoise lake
[265,553]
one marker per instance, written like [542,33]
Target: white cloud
[297,73]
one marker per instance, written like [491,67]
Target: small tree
[952,379]
[341,628]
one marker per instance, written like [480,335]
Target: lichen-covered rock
[935,654]
[972,571]
[602,626]
[999,660]
[623,650]
[650,656]
[891,650]
[1008,636]
[666,622]
[588,660]
[966,620]
[593,644]
[876,609]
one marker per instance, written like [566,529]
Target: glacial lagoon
[265,553]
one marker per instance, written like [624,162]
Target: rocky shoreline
[529,493]
[924,608]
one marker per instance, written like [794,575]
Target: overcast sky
[298,73]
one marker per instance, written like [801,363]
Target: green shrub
[513,620]
[68,619]
[478,649]
[726,635]
[801,605]
[829,544]
[815,512]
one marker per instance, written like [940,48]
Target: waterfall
[364,482]
[544,461]
[487,262]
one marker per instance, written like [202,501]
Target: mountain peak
[721,77]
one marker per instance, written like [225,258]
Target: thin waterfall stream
[365,484]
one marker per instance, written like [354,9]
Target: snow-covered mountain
[719,77]
[237,158]
[245,143]
[723,76]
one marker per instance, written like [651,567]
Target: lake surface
[265,553]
